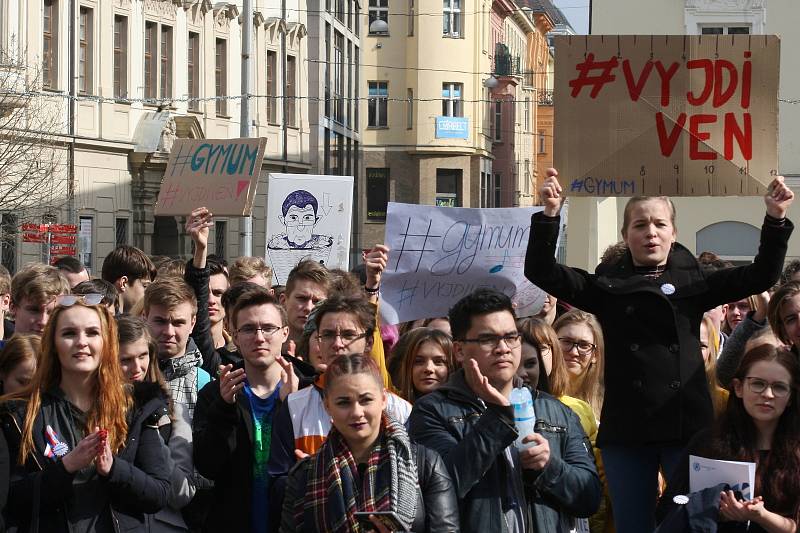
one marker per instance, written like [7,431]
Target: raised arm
[197,276]
[541,268]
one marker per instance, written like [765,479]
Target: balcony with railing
[506,64]
[545,96]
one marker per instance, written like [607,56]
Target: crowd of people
[178,396]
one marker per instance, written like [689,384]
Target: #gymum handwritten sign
[693,115]
[438,255]
[221,174]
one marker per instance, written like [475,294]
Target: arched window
[734,241]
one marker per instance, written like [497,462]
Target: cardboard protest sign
[308,216]
[440,254]
[675,115]
[221,174]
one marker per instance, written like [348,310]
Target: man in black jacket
[233,417]
[470,422]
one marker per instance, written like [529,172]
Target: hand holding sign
[198,225]
[551,194]
[778,198]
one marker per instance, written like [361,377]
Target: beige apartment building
[448,105]
[728,226]
[145,73]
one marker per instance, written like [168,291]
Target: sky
[577,12]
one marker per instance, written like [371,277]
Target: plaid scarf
[335,490]
[180,374]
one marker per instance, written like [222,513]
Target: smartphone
[386,518]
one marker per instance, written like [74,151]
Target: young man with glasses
[470,422]
[345,325]
[234,420]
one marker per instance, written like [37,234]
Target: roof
[546,6]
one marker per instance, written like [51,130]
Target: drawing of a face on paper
[298,241]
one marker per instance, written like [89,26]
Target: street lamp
[491,82]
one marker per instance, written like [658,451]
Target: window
[410,109]
[526,106]
[377,194]
[85,17]
[193,70]
[498,120]
[411,17]
[327,70]
[221,76]
[121,231]
[451,100]
[50,44]
[378,10]
[338,77]
[272,87]
[542,143]
[120,56]
[291,88]
[166,62]
[334,165]
[451,16]
[150,67]
[9,227]
[448,187]
[220,230]
[350,12]
[350,68]
[85,241]
[486,186]
[340,11]
[527,185]
[356,90]
[377,104]
[327,150]
[725,30]
[497,193]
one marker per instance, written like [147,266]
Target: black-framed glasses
[348,337]
[251,330]
[490,342]
[780,389]
[583,347]
[68,300]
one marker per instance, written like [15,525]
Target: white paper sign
[440,254]
[705,473]
[308,216]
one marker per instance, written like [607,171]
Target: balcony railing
[545,97]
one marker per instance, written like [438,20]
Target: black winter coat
[655,384]
[138,483]
[223,452]
[472,439]
[437,507]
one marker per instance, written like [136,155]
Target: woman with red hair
[84,446]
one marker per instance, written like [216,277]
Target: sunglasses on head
[67,300]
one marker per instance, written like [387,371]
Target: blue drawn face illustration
[300,223]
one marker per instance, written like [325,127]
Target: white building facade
[144,73]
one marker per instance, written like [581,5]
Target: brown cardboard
[610,145]
[220,174]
